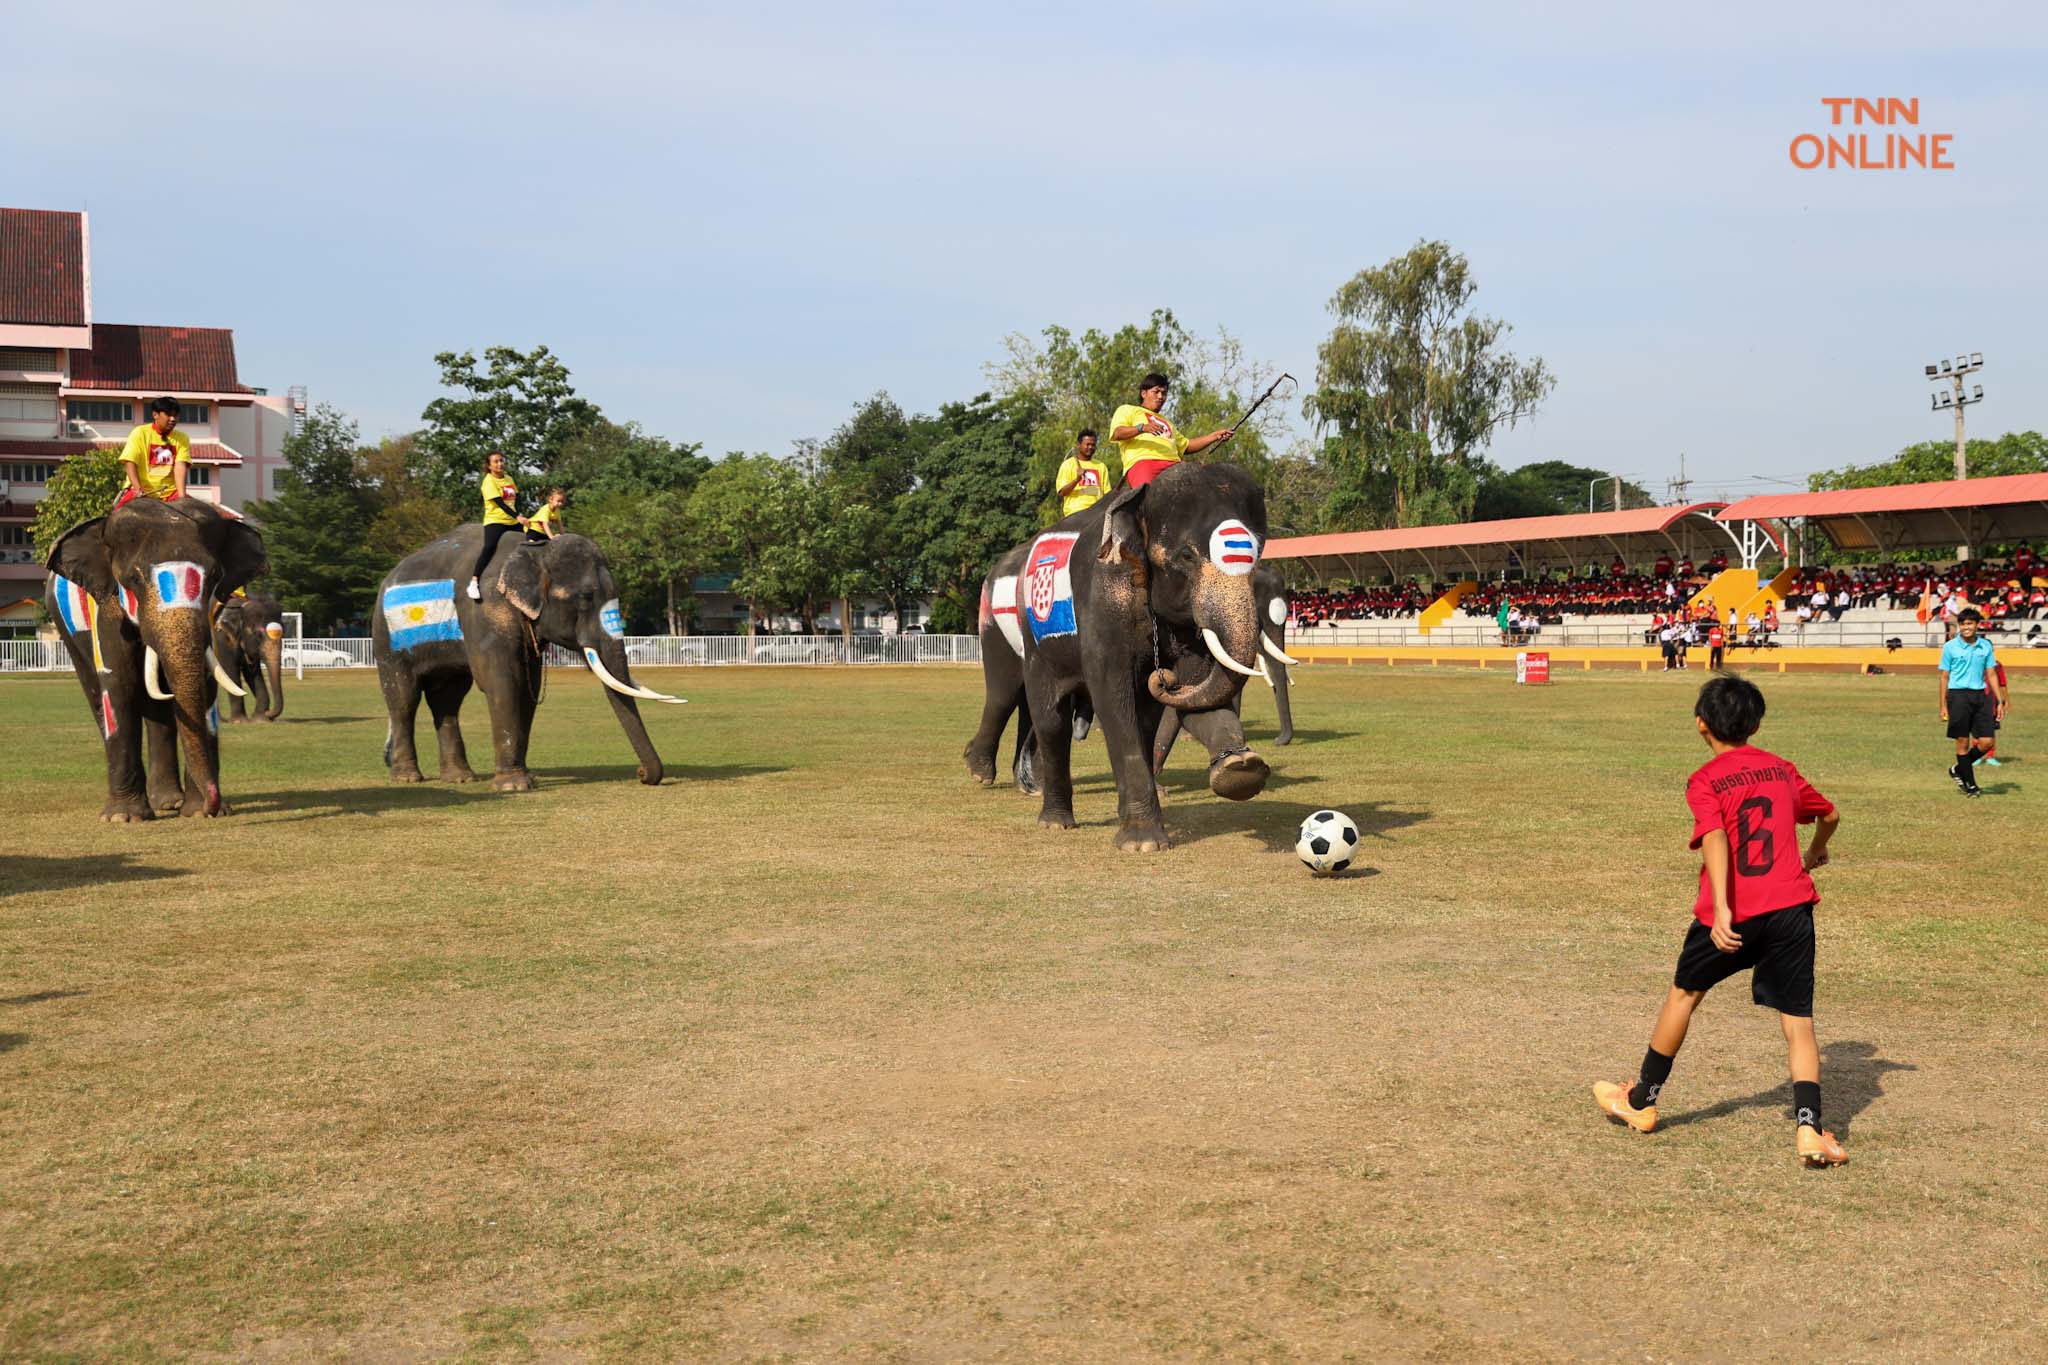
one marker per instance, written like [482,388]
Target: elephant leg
[509,712]
[160,732]
[1002,697]
[444,701]
[1163,738]
[1127,727]
[106,697]
[197,800]
[1052,723]
[401,688]
[1024,763]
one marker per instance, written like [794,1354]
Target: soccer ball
[1328,842]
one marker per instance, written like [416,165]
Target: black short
[1778,945]
[1971,712]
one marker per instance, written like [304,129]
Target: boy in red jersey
[1754,912]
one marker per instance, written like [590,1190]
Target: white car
[316,656]
[795,651]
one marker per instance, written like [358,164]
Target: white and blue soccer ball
[1328,842]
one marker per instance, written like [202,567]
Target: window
[198,475]
[193,414]
[98,410]
[28,358]
[13,535]
[27,403]
[16,472]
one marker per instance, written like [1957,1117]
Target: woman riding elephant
[1141,602]
[248,637]
[430,639]
[132,593]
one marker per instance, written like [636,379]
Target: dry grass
[821,1051]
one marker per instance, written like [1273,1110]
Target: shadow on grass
[672,772]
[1851,1077]
[322,720]
[38,997]
[10,1041]
[294,805]
[1277,824]
[27,872]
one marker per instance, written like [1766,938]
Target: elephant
[430,638]
[248,638]
[1271,592]
[1137,604]
[132,593]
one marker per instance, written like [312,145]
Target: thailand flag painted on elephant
[179,583]
[1233,548]
[421,613]
[1045,590]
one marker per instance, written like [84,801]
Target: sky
[735,224]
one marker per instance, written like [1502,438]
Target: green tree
[83,487]
[408,513]
[736,506]
[1547,488]
[869,465]
[655,547]
[321,560]
[520,402]
[1411,388]
[603,458]
[973,499]
[2016,452]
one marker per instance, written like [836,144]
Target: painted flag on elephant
[128,603]
[179,583]
[74,605]
[107,723]
[1046,587]
[1233,548]
[421,613]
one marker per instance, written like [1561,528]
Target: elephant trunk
[612,655]
[273,672]
[1227,615]
[1276,673]
[182,639]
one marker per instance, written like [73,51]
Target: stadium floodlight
[1976,358]
[1976,393]
[1932,371]
[1944,367]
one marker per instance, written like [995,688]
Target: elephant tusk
[149,675]
[1223,655]
[604,675]
[1277,652]
[220,675]
[1267,676]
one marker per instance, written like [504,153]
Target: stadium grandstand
[1603,585]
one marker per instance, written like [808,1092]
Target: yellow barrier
[1439,611]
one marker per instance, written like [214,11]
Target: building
[70,384]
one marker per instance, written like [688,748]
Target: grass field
[819,1050]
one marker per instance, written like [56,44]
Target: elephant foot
[1284,738]
[1239,776]
[205,805]
[981,767]
[458,775]
[262,720]
[1142,838]
[122,810]
[166,803]
[1057,819]
[518,780]
[406,772]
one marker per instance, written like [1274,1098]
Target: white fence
[650,651]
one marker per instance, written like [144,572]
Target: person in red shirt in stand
[1617,568]
[1754,911]
[1716,643]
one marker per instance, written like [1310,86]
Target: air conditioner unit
[75,427]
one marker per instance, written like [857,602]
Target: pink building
[70,384]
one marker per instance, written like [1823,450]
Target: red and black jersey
[1758,800]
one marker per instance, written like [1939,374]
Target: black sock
[1963,762]
[1656,1071]
[1806,1104]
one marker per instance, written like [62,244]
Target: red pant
[1144,471]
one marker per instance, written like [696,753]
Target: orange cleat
[1819,1148]
[1613,1102]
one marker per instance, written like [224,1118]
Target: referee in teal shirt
[1967,700]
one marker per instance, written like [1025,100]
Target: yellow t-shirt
[545,520]
[1147,446]
[501,500]
[154,454]
[1094,476]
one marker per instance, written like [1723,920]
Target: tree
[736,505]
[83,487]
[655,547]
[520,403]
[1411,388]
[408,513]
[868,466]
[322,562]
[1547,488]
[1070,382]
[603,458]
[973,500]
[2016,452]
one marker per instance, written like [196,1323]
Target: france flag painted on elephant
[1046,587]
[421,613]
[179,583]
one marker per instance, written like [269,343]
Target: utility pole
[1953,372]
[1675,488]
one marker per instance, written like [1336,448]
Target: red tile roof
[42,268]
[152,360]
[203,452]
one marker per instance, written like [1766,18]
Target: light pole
[1953,372]
[1592,484]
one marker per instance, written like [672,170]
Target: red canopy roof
[42,268]
[1486,546]
[1909,515]
[157,360]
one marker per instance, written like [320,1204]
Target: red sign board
[1532,666]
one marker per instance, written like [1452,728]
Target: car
[651,654]
[794,651]
[316,656]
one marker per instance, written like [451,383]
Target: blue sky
[735,224]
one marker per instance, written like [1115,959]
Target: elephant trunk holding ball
[1141,603]
[431,640]
[248,638]
[132,593]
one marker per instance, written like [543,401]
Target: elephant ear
[1123,531]
[80,555]
[523,580]
[242,556]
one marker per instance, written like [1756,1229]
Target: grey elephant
[132,594]
[431,640]
[248,638]
[1271,592]
[1137,604]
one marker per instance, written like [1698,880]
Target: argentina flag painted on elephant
[1045,590]
[421,613]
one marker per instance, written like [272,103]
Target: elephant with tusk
[431,640]
[248,640]
[1273,664]
[132,594]
[1138,605]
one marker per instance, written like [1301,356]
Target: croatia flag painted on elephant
[421,613]
[1045,590]
[179,583]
